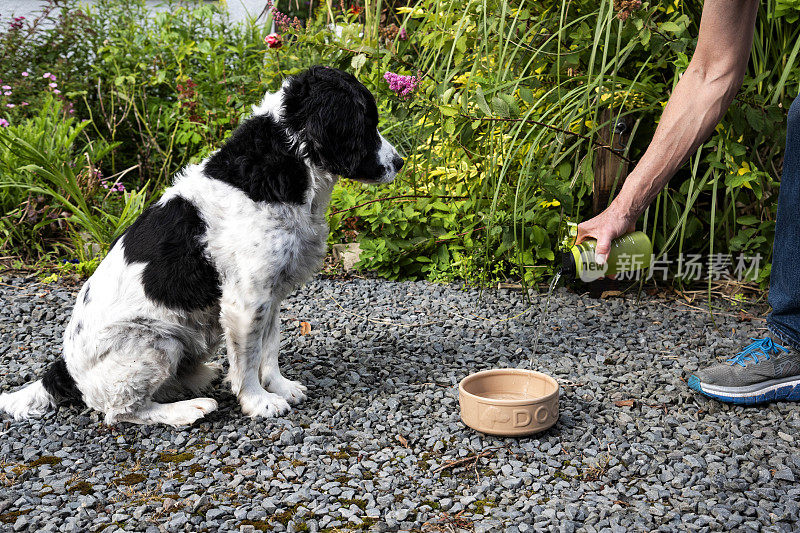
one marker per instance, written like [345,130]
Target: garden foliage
[497,105]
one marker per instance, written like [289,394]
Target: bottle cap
[568,267]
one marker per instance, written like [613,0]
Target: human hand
[605,227]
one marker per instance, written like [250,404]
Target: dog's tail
[57,386]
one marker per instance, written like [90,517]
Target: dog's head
[335,118]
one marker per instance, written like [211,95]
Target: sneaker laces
[765,347]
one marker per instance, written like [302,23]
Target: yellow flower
[745,168]
[414,11]
[551,203]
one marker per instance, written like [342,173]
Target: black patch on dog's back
[167,237]
[257,159]
[59,384]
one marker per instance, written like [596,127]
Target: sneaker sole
[787,389]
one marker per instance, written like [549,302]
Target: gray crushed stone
[370,448]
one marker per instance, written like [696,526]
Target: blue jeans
[784,286]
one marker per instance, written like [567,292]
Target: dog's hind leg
[195,372]
[269,371]
[136,361]
[175,414]
[200,377]
[192,380]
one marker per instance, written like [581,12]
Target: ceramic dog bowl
[508,401]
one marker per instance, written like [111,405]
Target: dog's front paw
[264,404]
[293,392]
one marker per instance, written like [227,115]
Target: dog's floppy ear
[258,160]
[334,115]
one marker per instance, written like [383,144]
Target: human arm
[697,104]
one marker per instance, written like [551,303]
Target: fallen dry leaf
[610,294]
[624,403]
[403,441]
[305,328]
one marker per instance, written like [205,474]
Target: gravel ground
[373,446]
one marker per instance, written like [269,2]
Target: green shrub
[43,162]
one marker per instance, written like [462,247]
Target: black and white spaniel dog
[213,259]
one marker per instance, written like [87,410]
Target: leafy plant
[39,158]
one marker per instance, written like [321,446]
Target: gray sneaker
[763,372]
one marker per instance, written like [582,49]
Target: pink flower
[25,74]
[402,35]
[4,123]
[56,91]
[274,40]
[23,104]
[10,106]
[6,88]
[46,75]
[53,85]
[116,187]
[402,85]
[53,77]
[7,93]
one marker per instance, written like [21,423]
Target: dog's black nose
[398,163]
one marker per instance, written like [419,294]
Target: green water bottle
[628,253]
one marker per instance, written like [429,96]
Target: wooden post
[609,167]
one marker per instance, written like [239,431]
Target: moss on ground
[131,479]
[482,505]
[367,522]
[261,525]
[81,487]
[284,517]
[11,516]
[361,504]
[45,460]
[339,455]
[432,504]
[175,458]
